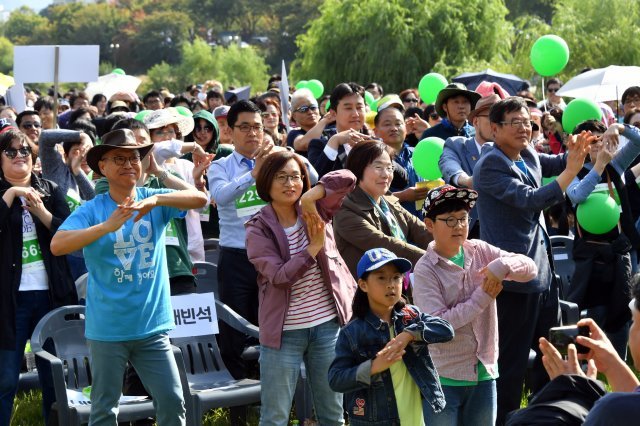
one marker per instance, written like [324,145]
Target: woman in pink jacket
[305,288]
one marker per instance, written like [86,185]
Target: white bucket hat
[163,117]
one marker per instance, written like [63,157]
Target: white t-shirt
[34,275]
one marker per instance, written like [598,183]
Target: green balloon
[327,106]
[429,87]
[302,84]
[316,88]
[368,98]
[548,180]
[549,55]
[184,111]
[426,156]
[118,71]
[142,114]
[598,214]
[579,110]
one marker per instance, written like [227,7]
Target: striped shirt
[311,303]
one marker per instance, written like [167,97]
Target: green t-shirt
[408,398]
[483,374]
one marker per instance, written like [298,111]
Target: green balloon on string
[426,156]
[430,85]
[316,87]
[598,214]
[369,99]
[579,110]
[549,55]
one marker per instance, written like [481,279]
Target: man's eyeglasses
[452,222]
[305,108]
[121,161]
[12,153]
[634,100]
[552,89]
[410,100]
[527,124]
[30,125]
[246,128]
[283,179]
[207,129]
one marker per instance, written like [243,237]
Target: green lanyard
[388,217]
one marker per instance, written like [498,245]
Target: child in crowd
[458,280]
[382,360]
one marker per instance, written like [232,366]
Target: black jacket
[566,400]
[62,290]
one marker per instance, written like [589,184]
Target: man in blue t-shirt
[128,304]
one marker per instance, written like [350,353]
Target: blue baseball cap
[376,258]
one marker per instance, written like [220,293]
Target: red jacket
[268,251]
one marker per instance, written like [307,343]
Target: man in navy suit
[461,154]
[510,203]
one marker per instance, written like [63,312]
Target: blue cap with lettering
[376,258]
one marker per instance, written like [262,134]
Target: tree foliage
[395,42]
[6,55]
[231,65]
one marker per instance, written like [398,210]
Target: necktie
[249,163]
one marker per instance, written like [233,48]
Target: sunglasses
[12,153]
[305,108]
[410,100]
[434,116]
[30,125]
[207,129]
[553,89]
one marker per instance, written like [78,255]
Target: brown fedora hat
[115,139]
[484,104]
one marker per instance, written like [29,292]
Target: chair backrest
[562,250]
[203,362]
[81,285]
[65,327]
[206,277]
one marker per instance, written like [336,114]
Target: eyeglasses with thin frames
[283,179]
[452,222]
[246,128]
[527,124]
[121,161]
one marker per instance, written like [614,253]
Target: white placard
[76,398]
[36,64]
[194,315]
[15,97]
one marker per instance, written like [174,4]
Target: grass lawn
[28,412]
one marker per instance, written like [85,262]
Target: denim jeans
[153,360]
[279,370]
[466,405]
[31,306]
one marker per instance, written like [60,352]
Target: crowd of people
[408,302]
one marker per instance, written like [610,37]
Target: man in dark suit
[510,203]
[461,154]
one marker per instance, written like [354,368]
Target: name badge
[249,202]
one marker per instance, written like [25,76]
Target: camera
[561,337]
